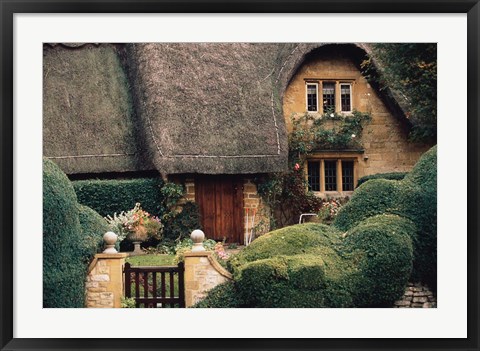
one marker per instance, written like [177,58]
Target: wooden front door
[220,199]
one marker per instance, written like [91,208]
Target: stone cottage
[214,116]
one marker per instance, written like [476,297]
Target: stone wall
[386,145]
[253,202]
[417,296]
[202,273]
[104,285]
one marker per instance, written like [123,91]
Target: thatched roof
[213,108]
[88,124]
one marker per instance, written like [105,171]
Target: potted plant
[137,226]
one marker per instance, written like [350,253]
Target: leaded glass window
[347,176]
[328,97]
[312,97]
[313,175]
[330,175]
[345,97]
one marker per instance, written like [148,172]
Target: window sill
[332,194]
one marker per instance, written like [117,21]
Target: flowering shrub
[330,208]
[127,223]
[220,252]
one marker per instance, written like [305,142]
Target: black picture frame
[9,8]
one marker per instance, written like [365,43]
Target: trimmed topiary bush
[110,196]
[298,281]
[381,248]
[94,227]
[64,266]
[292,240]
[372,198]
[222,296]
[418,202]
[388,176]
[72,234]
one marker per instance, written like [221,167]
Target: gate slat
[172,286]
[154,283]
[145,287]
[163,287]
[137,290]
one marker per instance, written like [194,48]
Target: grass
[151,260]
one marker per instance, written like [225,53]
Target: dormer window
[336,96]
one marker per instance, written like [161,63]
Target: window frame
[350,84]
[319,84]
[306,96]
[339,158]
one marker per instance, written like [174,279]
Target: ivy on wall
[286,193]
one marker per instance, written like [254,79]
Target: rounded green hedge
[64,267]
[374,197]
[418,202]
[381,248]
[114,196]
[72,234]
[292,240]
[388,176]
[94,227]
[222,296]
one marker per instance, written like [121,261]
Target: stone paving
[417,296]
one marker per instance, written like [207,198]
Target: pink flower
[296,167]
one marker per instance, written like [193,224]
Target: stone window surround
[339,157]
[319,85]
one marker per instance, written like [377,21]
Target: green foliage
[381,248]
[127,302]
[156,197]
[418,202]
[414,198]
[181,224]
[114,196]
[374,197]
[94,227]
[293,240]
[388,176]
[411,70]
[310,133]
[64,250]
[222,296]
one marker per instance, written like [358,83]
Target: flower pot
[137,236]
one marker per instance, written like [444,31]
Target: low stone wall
[104,285]
[417,296]
[202,273]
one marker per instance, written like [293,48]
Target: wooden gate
[220,200]
[154,287]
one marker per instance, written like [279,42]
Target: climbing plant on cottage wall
[286,193]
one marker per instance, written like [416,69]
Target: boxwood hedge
[381,247]
[110,196]
[71,234]
[388,176]
[371,198]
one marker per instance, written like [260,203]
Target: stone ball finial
[110,238]
[197,236]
